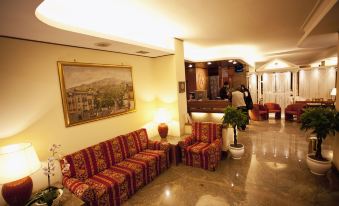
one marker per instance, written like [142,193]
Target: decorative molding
[319,11]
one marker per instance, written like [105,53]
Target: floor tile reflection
[272,172]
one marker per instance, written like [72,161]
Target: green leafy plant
[235,118]
[322,122]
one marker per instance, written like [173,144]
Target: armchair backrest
[272,106]
[295,107]
[258,107]
[206,131]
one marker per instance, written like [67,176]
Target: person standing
[247,97]
[224,91]
[238,101]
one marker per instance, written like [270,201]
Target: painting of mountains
[91,91]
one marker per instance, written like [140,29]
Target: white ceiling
[253,30]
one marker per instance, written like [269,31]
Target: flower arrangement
[49,170]
[48,195]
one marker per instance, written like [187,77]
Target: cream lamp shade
[162,116]
[334,92]
[17,161]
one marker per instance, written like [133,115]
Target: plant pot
[317,167]
[238,151]
[56,200]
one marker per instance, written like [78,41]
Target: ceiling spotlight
[102,44]
[231,60]
[190,65]
[209,63]
[234,62]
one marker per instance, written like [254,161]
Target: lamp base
[163,130]
[18,192]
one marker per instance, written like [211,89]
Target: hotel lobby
[118,102]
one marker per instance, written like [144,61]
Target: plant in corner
[236,118]
[322,122]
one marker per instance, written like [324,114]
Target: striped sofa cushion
[86,162]
[115,150]
[136,142]
[206,132]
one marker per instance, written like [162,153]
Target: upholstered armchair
[294,110]
[203,147]
[258,112]
[273,108]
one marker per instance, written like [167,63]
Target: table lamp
[17,161]
[334,92]
[162,118]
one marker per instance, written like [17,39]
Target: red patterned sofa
[273,108]
[110,172]
[202,148]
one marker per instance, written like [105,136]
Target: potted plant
[322,122]
[236,119]
[51,194]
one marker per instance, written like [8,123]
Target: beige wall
[31,105]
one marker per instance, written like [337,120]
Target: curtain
[252,86]
[316,83]
[277,88]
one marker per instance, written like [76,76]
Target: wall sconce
[17,161]
[162,118]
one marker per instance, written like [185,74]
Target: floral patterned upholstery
[203,148]
[110,172]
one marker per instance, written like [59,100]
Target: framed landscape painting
[93,91]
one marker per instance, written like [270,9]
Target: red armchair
[203,148]
[273,108]
[294,110]
[258,112]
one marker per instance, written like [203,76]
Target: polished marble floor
[272,172]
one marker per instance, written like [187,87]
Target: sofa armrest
[157,145]
[187,141]
[79,188]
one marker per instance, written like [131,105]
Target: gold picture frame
[182,87]
[93,92]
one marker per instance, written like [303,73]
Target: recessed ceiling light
[234,62]
[209,63]
[102,44]
[231,60]
[142,52]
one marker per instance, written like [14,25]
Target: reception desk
[207,106]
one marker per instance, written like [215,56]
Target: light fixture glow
[234,62]
[247,53]
[230,61]
[209,63]
[190,65]
[126,21]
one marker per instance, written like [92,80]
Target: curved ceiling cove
[219,29]
[126,21]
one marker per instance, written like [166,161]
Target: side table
[175,153]
[67,198]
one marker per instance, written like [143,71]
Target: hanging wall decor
[94,91]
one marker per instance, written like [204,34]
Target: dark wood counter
[207,106]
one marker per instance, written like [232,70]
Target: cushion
[198,147]
[161,157]
[206,132]
[86,162]
[115,150]
[135,172]
[152,164]
[109,186]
